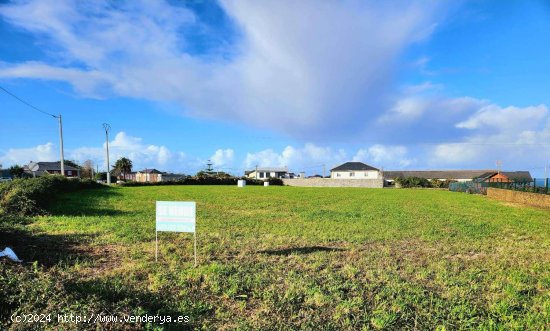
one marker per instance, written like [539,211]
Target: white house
[354,170]
[265,173]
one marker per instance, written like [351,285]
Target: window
[69,172]
[352,174]
[337,174]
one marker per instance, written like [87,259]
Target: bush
[410,182]
[275,181]
[103,176]
[206,181]
[32,196]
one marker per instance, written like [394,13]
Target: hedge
[206,181]
[410,182]
[32,196]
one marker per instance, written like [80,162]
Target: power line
[26,103]
[62,161]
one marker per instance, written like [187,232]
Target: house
[131,176]
[505,177]
[265,173]
[354,170]
[155,176]
[52,168]
[148,176]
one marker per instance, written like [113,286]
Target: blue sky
[398,85]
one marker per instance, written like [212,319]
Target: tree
[124,166]
[16,171]
[87,169]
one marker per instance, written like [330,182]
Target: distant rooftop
[52,166]
[353,166]
[271,169]
[150,171]
[439,174]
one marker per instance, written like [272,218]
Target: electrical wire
[26,103]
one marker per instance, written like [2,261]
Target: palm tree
[124,166]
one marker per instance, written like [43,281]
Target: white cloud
[143,155]
[84,82]
[387,157]
[22,156]
[123,145]
[516,136]
[309,158]
[223,158]
[303,67]
[413,108]
[505,119]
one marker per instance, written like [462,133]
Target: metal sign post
[176,216]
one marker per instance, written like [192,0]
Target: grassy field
[292,258]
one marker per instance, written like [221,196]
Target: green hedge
[207,181]
[32,196]
[410,182]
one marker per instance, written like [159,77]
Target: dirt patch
[101,259]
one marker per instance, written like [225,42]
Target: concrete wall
[527,198]
[329,182]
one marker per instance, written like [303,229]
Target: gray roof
[53,166]
[436,174]
[353,166]
[271,169]
[521,176]
[518,175]
[150,171]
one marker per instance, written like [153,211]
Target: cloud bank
[298,67]
[309,158]
[319,72]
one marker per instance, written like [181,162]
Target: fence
[540,185]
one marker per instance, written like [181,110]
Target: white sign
[175,216]
[241,183]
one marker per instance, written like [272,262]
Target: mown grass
[297,258]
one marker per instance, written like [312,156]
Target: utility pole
[545,171]
[61,145]
[107,128]
[499,165]
[323,171]
[256,172]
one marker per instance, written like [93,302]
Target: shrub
[206,181]
[412,182]
[32,196]
[103,176]
[275,181]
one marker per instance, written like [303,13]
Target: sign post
[176,216]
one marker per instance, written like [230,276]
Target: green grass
[297,258]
